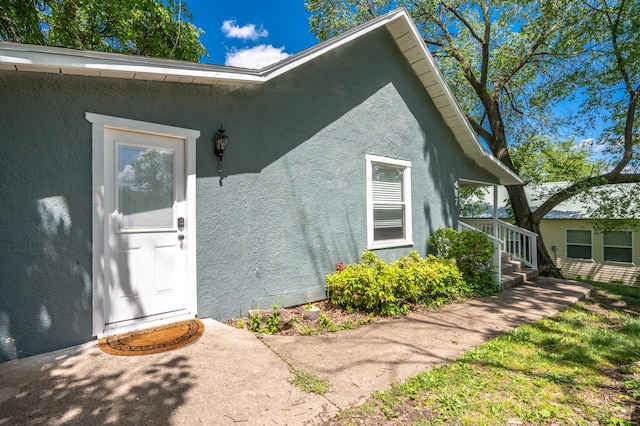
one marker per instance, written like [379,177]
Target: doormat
[153,340]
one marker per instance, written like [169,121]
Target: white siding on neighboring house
[618,245]
[614,257]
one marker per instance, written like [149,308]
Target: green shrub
[362,286]
[473,253]
[374,285]
[428,281]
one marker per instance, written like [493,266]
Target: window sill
[614,263]
[579,260]
[390,244]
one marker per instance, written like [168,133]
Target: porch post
[495,211]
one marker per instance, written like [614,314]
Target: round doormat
[153,340]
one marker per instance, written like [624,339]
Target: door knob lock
[181,237]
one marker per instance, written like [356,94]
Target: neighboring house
[114,216]
[579,245]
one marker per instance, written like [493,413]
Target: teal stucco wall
[292,203]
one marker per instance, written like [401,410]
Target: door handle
[181,237]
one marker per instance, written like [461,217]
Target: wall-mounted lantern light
[220,142]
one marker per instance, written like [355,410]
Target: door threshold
[146,322]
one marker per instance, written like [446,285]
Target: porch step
[514,272]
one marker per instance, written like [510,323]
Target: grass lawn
[580,367]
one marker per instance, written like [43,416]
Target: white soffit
[20,57]
[58,60]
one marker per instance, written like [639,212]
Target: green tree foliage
[152,185]
[510,62]
[153,172]
[20,22]
[472,201]
[609,79]
[493,53]
[154,28]
[541,159]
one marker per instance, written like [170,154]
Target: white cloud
[255,57]
[127,176]
[599,147]
[592,144]
[246,32]
[586,143]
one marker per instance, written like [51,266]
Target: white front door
[146,226]
[143,232]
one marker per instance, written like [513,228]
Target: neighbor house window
[617,246]
[579,244]
[388,202]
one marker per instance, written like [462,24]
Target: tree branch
[463,21]
[579,187]
[467,69]
[481,131]
[511,101]
[633,94]
[451,46]
[484,74]
[368,7]
[530,53]
[433,42]
[614,23]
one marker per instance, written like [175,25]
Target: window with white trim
[617,246]
[579,244]
[388,202]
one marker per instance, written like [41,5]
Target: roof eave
[21,57]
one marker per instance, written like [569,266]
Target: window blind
[388,202]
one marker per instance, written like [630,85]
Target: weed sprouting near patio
[581,367]
[308,382]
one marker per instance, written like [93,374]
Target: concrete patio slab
[230,376]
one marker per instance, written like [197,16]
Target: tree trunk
[525,219]
[546,264]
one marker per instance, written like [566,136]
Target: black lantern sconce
[220,142]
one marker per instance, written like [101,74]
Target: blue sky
[251,33]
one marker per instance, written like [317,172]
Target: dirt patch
[310,319]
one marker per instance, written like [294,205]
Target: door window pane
[145,187]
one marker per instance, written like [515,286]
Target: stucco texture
[291,204]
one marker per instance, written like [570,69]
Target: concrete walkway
[230,376]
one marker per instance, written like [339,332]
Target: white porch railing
[520,243]
[497,244]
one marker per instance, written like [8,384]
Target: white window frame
[625,247]
[567,244]
[406,187]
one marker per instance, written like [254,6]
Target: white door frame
[99,224]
